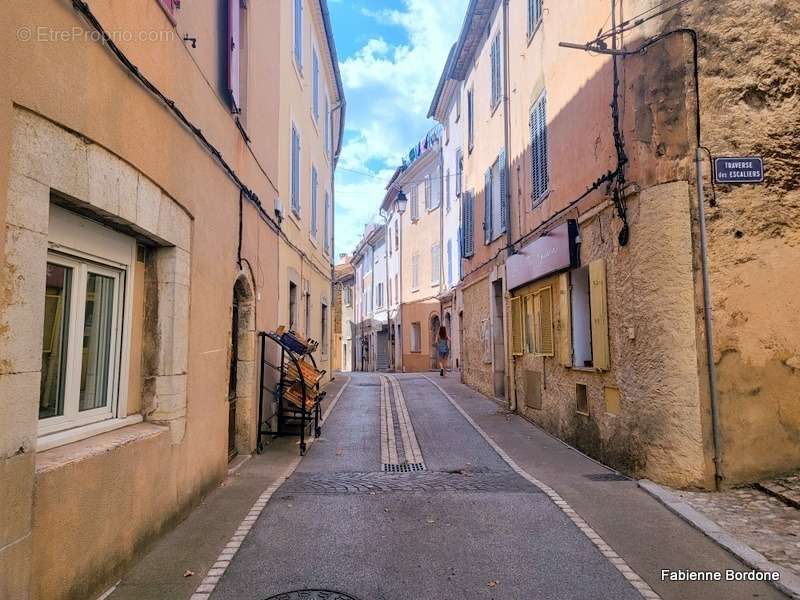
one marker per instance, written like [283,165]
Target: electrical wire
[83,8]
[640,19]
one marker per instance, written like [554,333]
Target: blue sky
[391,53]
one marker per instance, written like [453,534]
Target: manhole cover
[312,595]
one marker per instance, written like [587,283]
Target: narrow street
[467,522]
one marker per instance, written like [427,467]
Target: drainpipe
[441,230]
[712,368]
[510,366]
[400,297]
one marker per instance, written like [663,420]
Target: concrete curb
[789,583]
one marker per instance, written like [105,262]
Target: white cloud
[389,88]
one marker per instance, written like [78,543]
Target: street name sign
[744,169]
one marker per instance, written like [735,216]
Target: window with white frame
[534,15]
[315,84]
[313,202]
[415,271]
[348,295]
[379,294]
[458,105]
[298,33]
[397,290]
[414,203]
[436,264]
[295,191]
[538,131]
[84,341]
[496,64]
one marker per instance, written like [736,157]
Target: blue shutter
[538,132]
[501,165]
[314,202]
[487,207]
[315,84]
[327,223]
[298,32]
[449,262]
[295,171]
[468,224]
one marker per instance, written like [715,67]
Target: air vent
[533,389]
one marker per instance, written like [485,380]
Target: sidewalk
[175,565]
[636,525]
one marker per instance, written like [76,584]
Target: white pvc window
[83,337]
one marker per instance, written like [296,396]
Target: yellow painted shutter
[546,322]
[516,326]
[599,306]
[564,321]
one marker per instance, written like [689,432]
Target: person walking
[443,349]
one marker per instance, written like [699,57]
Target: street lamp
[402,202]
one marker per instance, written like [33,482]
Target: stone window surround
[47,162]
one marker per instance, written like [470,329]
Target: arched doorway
[434,337]
[242,412]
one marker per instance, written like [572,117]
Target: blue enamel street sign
[743,169]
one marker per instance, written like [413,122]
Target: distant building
[343,316]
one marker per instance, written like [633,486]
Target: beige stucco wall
[128,131]
[300,252]
[749,107]
[658,433]
[418,312]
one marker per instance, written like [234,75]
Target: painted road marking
[637,582]
[410,441]
[210,581]
[388,441]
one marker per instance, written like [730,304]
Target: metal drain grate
[607,477]
[404,468]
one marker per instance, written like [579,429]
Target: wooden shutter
[538,133]
[234,55]
[487,207]
[501,165]
[599,307]
[564,321]
[545,320]
[516,326]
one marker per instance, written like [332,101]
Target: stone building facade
[588,317]
[137,263]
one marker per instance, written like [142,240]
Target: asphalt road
[468,526]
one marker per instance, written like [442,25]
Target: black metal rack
[297,393]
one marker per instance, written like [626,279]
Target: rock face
[750,92]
